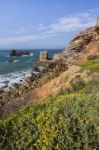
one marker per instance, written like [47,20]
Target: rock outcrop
[18,53]
[43,56]
[85,41]
[84,45]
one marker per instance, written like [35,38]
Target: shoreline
[22,95]
[7,81]
[10,80]
[18,91]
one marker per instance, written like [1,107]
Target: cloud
[63,25]
[22,39]
[15,40]
[72,23]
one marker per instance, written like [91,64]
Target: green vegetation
[92,65]
[68,121]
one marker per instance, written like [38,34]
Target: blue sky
[44,23]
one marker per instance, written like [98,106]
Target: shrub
[66,122]
[92,65]
[77,85]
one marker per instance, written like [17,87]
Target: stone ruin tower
[43,56]
[97,23]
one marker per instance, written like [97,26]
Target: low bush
[77,85]
[66,122]
[92,65]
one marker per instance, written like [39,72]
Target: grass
[92,65]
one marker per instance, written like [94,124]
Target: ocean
[16,72]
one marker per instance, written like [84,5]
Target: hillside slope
[69,120]
[66,116]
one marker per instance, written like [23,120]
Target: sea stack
[18,53]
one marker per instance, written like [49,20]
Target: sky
[38,24]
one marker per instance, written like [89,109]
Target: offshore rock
[18,53]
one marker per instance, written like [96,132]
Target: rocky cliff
[84,45]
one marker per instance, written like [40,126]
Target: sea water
[15,69]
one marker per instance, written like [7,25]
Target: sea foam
[7,81]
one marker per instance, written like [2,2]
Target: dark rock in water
[4,87]
[6,82]
[18,53]
[13,53]
[10,61]
[21,80]
[16,85]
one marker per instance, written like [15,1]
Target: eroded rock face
[85,39]
[18,53]
[84,45]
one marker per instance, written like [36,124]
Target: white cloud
[62,25]
[15,40]
[23,39]
[72,23]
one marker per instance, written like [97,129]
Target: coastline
[11,80]
[18,87]
[22,95]
[8,81]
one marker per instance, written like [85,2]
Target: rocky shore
[21,95]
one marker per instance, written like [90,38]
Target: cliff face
[85,40]
[84,45]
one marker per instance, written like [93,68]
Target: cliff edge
[83,46]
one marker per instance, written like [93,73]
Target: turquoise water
[20,63]
[21,67]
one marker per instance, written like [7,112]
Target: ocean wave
[16,61]
[7,81]
[31,54]
[12,61]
